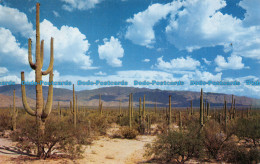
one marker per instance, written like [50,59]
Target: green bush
[175,147]
[248,129]
[60,135]
[239,154]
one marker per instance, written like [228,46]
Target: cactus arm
[48,105]
[50,68]
[24,99]
[42,52]
[33,66]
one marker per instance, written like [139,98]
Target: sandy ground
[103,150]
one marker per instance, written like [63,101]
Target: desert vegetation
[224,134]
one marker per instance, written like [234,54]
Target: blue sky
[131,40]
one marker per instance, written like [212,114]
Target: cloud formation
[79,4]
[111,51]
[177,64]
[233,62]
[140,31]
[15,21]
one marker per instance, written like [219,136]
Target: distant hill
[112,95]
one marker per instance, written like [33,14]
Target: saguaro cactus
[180,121]
[208,108]
[77,109]
[234,115]
[132,106]
[14,112]
[120,112]
[59,109]
[140,107]
[144,107]
[73,109]
[191,109]
[225,110]
[130,112]
[155,106]
[232,108]
[41,112]
[100,108]
[170,111]
[201,108]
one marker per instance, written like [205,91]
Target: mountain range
[112,95]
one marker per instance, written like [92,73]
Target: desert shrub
[128,133]
[215,140]
[175,147]
[248,129]
[117,134]
[5,120]
[97,123]
[60,136]
[234,153]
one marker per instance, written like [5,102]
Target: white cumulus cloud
[15,21]
[10,49]
[181,63]
[111,51]
[70,45]
[232,62]
[140,31]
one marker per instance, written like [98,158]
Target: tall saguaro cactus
[132,106]
[201,108]
[144,107]
[74,110]
[140,107]
[225,110]
[41,112]
[130,112]
[14,113]
[170,110]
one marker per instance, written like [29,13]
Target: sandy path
[118,151]
[104,150]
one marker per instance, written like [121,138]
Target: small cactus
[155,106]
[100,108]
[14,112]
[180,121]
